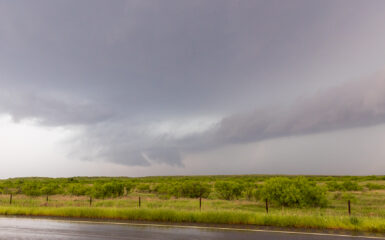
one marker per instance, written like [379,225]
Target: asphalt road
[32,229]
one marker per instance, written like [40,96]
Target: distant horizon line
[204,175]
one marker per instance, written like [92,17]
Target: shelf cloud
[360,103]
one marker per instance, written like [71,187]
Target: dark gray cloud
[354,104]
[125,71]
[51,109]
[178,57]
[126,142]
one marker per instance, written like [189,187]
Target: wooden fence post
[10,199]
[90,200]
[349,210]
[200,203]
[140,202]
[267,206]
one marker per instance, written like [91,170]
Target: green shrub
[294,192]
[80,190]
[228,190]
[351,186]
[189,189]
[128,187]
[50,189]
[346,185]
[31,189]
[374,186]
[334,186]
[250,191]
[195,189]
[161,188]
[110,189]
[143,187]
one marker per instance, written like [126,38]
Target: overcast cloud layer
[151,82]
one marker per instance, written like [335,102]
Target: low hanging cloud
[354,104]
[127,142]
[106,136]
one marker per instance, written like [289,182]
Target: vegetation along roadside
[319,202]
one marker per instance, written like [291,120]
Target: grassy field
[367,205]
[282,219]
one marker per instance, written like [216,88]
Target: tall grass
[212,216]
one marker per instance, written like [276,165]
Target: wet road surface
[33,229]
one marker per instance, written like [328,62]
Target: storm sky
[174,87]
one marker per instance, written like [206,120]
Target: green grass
[218,217]
[368,205]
